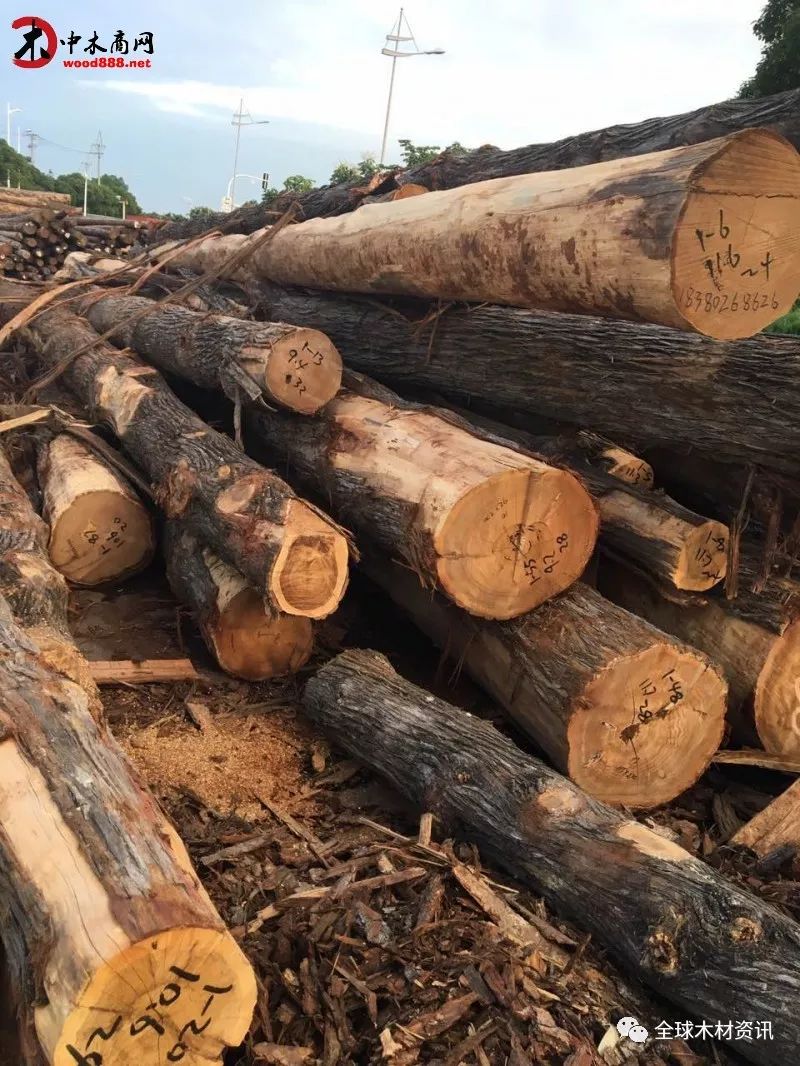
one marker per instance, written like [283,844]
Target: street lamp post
[9,112]
[241,118]
[85,188]
[124,206]
[227,200]
[397,38]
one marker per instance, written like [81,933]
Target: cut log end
[183,995]
[703,561]
[777,695]
[514,541]
[304,371]
[648,727]
[101,536]
[310,575]
[253,646]
[736,253]
[627,467]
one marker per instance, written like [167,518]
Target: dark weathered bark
[242,637]
[642,385]
[247,514]
[696,938]
[497,529]
[631,716]
[293,366]
[98,898]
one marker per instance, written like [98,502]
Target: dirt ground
[374,937]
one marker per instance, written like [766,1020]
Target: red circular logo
[39,42]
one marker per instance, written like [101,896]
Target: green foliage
[201,213]
[20,171]
[416,154]
[343,172]
[102,199]
[298,183]
[789,323]
[779,67]
[361,171]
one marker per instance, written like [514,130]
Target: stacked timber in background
[35,241]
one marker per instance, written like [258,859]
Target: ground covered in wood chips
[375,938]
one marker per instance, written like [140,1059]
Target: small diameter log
[245,640]
[136,672]
[102,915]
[630,715]
[754,639]
[293,555]
[684,238]
[99,528]
[292,366]
[643,384]
[777,826]
[669,918]
[498,531]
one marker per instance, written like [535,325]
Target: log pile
[35,241]
[560,343]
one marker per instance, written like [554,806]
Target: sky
[514,72]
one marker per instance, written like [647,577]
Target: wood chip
[425,829]
[200,715]
[281,1055]
[754,757]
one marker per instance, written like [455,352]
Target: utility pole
[85,187]
[240,118]
[98,149]
[393,49]
[33,139]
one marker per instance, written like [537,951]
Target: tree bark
[670,542]
[243,638]
[684,238]
[641,385]
[99,528]
[754,638]
[37,593]
[292,554]
[696,938]
[292,366]
[498,531]
[115,952]
[630,715]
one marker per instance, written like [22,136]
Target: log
[632,716]
[115,952]
[244,639]
[641,385]
[670,542]
[292,554]
[685,238]
[292,366]
[99,528]
[499,532]
[777,826]
[755,640]
[698,939]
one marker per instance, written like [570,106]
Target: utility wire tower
[240,118]
[98,149]
[33,140]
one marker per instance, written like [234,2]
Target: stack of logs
[565,345]
[35,243]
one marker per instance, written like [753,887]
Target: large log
[669,918]
[99,528]
[670,542]
[245,640]
[630,715]
[701,238]
[498,531]
[292,366]
[37,593]
[754,638]
[116,954]
[644,384]
[292,554]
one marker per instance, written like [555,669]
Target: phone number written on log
[723,302]
[108,61]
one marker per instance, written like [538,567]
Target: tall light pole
[85,187]
[124,203]
[241,118]
[397,37]
[9,112]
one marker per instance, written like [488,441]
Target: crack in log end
[175,492]
[119,393]
[746,930]
[649,842]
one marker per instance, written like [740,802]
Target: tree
[298,183]
[416,154]
[102,194]
[343,172]
[779,67]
